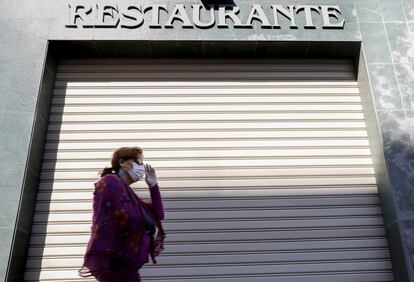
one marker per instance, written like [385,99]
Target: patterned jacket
[118,226]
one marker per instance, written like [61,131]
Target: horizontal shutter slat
[264,167]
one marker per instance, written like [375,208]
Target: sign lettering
[197,16]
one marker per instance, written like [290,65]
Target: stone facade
[384,28]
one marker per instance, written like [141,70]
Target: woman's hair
[124,153]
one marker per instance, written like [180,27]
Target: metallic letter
[110,12]
[257,13]
[180,14]
[80,12]
[290,14]
[308,14]
[134,20]
[328,11]
[197,17]
[230,14]
[155,14]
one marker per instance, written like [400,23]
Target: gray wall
[385,27]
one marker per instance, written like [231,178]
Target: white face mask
[136,172]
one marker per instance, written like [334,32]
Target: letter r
[79,12]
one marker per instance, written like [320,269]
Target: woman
[123,225]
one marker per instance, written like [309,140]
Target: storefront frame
[196,49]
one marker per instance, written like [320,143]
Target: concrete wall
[385,28]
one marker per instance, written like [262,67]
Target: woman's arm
[156,202]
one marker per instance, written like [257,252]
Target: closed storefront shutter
[264,167]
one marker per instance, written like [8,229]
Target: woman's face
[127,166]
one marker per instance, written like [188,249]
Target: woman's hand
[150,177]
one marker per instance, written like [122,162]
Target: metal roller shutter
[264,167]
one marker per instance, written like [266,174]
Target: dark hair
[124,153]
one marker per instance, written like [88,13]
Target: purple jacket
[117,226]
